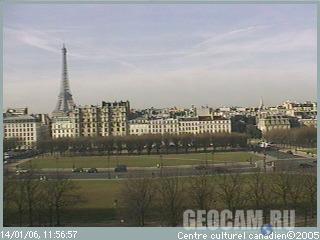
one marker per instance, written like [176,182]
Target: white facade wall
[175,126]
[26,129]
[63,127]
[198,127]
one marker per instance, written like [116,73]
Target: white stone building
[64,126]
[273,122]
[192,125]
[27,129]
[109,119]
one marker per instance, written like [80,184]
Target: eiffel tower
[65,102]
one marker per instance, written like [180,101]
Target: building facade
[26,129]
[108,119]
[273,122]
[190,125]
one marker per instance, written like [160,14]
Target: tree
[201,192]
[171,199]
[10,144]
[310,191]
[253,132]
[176,141]
[32,194]
[60,194]
[9,198]
[186,141]
[19,199]
[259,193]
[300,137]
[281,187]
[230,191]
[257,190]
[137,196]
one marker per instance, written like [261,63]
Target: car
[121,168]
[43,178]
[92,170]
[200,167]
[77,170]
[21,171]
[305,165]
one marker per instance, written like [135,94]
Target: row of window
[186,128]
[24,138]
[181,131]
[15,125]
[18,130]
[63,131]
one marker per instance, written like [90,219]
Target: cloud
[35,38]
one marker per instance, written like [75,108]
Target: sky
[160,55]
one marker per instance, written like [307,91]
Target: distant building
[273,122]
[109,119]
[308,122]
[16,111]
[205,125]
[301,110]
[192,125]
[27,129]
[139,126]
[204,111]
[64,126]
[164,126]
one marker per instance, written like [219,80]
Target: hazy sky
[160,55]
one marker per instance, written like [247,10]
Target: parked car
[21,171]
[200,167]
[92,170]
[121,168]
[77,170]
[43,178]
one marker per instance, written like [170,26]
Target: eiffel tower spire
[65,102]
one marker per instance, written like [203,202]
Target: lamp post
[212,160]
[109,174]
[161,164]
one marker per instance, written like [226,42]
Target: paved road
[139,173]
[293,166]
[286,162]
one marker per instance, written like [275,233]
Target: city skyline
[269,52]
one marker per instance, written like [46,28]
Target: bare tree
[19,199]
[259,193]
[60,194]
[10,196]
[257,190]
[310,190]
[202,191]
[231,191]
[31,187]
[136,198]
[281,186]
[171,199]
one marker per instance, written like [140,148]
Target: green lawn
[98,208]
[98,194]
[138,161]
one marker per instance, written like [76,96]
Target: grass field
[98,207]
[100,196]
[138,161]
[309,150]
